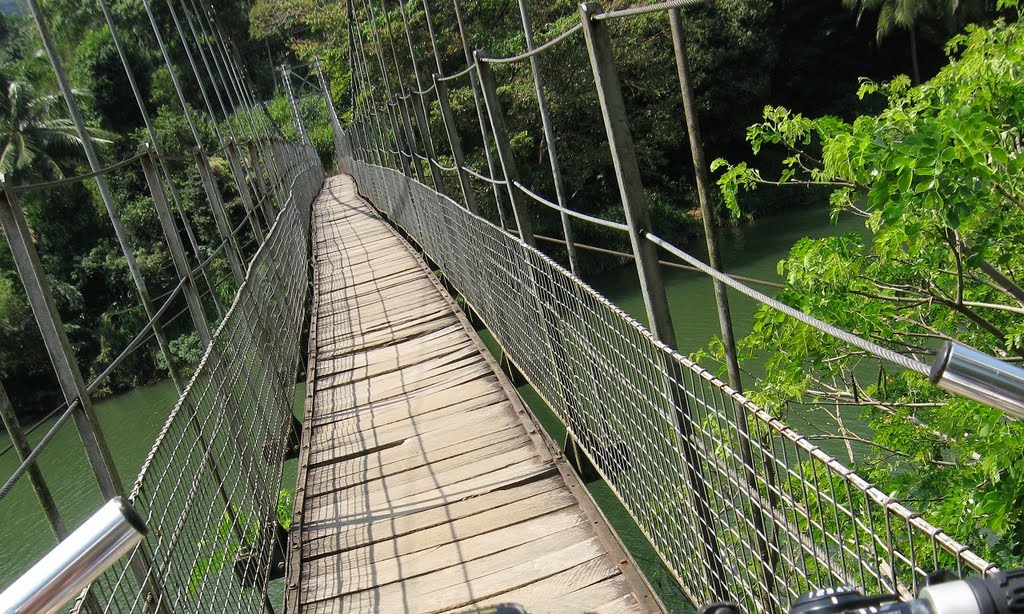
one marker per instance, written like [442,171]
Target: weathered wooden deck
[424,484]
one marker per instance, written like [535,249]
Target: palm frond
[36,139]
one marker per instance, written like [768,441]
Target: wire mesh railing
[241,196]
[670,438]
[235,413]
[209,487]
[738,505]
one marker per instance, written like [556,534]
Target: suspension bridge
[424,482]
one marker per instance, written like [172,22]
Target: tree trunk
[913,55]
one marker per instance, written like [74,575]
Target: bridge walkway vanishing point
[424,484]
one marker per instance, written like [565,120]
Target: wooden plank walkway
[424,485]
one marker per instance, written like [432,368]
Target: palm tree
[35,141]
[903,14]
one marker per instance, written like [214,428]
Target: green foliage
[101,73]
[269,18]
[903,14]
[936,177]
[88,273]
[315,119]
[35,142]
[236,533]
[285,503]
[188,348]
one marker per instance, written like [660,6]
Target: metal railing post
[151,131]
[479,108]
[266,201]
[501,142]
[700,171]
[219,215]
[428,143]
[356,130]
[175,247]
[195,308]
[104,189]
[627,172]
[549,139]
[40,298]
[410,136]
[455,143]
[204,331]
[420,110]
[275,163]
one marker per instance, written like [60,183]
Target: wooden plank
[396,334]
[443,525]
[391,387]
[333,442]
[341,534]
[581,576]
[333,506]
[372,281]
[367,291]
[399,357]
[357,324]
[478,579]
[417,452]
[372,270]
[457,482]
[416,293]
[422,553]
[610,595]
[477,393]
[626,604]
[422,486]
[427,477]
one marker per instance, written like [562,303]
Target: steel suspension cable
[215,206]
[479,107]
[236,170]
[874,349]
[384,80]
[549,131]
[423,117]
[204,94]
[151,131]
[405,114]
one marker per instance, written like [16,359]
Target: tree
[905,15]
[936,177]
[35,141]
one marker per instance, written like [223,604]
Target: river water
[752,250]
[132,421]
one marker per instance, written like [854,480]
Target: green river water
[132,421]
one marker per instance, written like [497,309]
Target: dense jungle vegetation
[904,112]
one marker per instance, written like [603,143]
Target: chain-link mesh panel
[209,487]
[738,505]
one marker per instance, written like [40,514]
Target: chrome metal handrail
[74,563]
